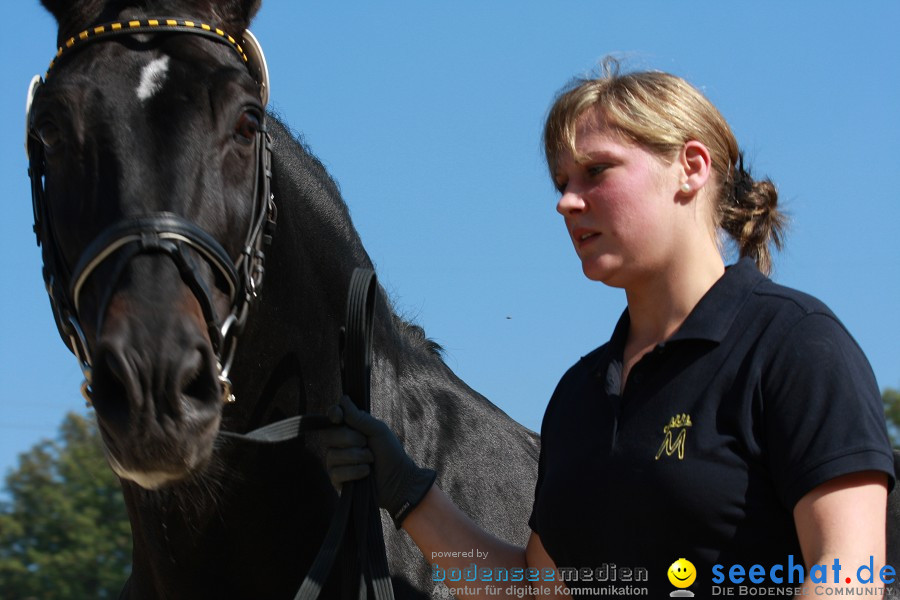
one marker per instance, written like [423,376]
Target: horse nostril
[114,363]
[197,380]
[113,380]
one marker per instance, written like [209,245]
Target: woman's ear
[696,167]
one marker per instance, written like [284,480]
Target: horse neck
[292,340]
[293,334]
[308,268]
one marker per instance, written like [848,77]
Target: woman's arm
[844,519]
[360,445]
[440,529]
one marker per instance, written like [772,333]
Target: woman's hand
[359,445]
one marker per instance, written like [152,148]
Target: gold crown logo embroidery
[677,424]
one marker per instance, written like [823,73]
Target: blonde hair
[661,112]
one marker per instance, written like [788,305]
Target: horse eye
[49,135]
[246,127]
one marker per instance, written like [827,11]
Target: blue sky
[428,114]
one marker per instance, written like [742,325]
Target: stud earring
[685,187]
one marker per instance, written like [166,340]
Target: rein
[356,523]
[158,232]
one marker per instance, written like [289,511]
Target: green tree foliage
[64,532]
[891,398]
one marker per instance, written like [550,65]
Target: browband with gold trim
[247,48]
[157,25]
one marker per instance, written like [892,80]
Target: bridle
[160,232]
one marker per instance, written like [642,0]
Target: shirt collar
[718,308]
[710,319]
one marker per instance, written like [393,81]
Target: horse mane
[407,334]
[414,335]
[308,175]
[308,157]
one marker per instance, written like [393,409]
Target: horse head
[150,176]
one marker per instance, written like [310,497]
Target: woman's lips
[584,236]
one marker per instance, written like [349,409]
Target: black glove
[362,440]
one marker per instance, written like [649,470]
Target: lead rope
[365,561]
[360,541]
[357,370]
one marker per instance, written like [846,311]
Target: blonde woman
[728,421]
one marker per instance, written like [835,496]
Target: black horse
[149,168]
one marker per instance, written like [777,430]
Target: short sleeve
[823,410]
[549,429]
[546,425]
[532,520]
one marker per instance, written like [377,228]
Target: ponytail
[748,213]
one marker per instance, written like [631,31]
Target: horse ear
[73,14]
[58,8]
[232,15]
[235,15]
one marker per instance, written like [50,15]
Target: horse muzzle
[155,382]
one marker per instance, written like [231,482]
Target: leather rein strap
[355,529]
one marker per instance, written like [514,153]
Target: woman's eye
[246,128]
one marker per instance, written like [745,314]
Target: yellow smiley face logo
[682,573]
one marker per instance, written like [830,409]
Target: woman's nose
[570,202]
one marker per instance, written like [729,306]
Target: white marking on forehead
[152,78]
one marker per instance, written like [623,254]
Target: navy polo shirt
[760,396]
